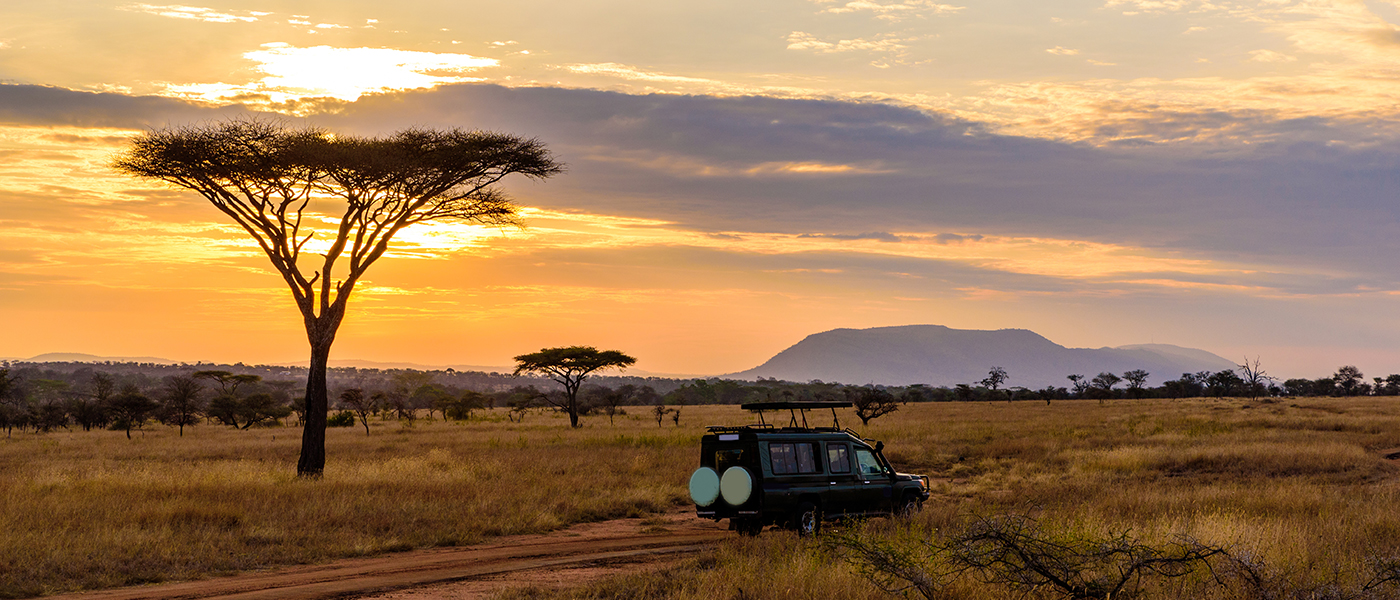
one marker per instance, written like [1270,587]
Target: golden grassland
[86,510]
[1299,486]
[1302,485]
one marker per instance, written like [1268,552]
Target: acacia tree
[266,177]
[1136,378]
[1349,379]
[182,404]
[871,403]
[131,408]
[356,400]
[570,366]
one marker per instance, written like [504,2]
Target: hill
[942,356]
[77,357]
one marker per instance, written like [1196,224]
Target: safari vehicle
[795,475]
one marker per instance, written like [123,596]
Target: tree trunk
[313,431]
[571,389]
[573,409]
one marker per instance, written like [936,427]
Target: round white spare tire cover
[704,486]
[736,485]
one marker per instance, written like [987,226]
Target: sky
[1215,175]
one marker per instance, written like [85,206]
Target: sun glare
[293,72]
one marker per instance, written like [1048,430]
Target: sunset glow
[1217,175]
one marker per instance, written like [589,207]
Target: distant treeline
[50,396]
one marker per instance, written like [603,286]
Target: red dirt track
[482,569]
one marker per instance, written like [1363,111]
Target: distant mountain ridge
[78,357]
[942,356]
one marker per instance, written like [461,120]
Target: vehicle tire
[808,520]
[908,506]
[750,526]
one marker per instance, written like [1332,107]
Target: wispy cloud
[196,13]
[799,40]
[892,11]
[1062,51]
[1269,56]
[630,72]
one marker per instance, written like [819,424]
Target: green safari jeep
[796,476]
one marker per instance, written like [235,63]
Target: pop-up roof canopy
[793,407]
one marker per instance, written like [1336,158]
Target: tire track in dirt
[611,542]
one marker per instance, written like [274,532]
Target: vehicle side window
[837,459]
[867,462]
[806,458]
[792,458]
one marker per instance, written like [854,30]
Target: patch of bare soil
[567,557]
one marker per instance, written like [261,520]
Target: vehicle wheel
[808,520]
[748,527]
[909,506]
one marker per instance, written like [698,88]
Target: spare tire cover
[736,485]
[704,486]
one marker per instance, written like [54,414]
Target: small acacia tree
[131,408]
[1136,379]
[265,176]
[363,405]
[1349,379]
[182,404]
[995,377]
[871,403]
[569,367]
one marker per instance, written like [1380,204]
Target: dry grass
[93,510]
[1302,488]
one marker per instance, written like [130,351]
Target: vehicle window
[728,458]
[867,462]
[792,458]
[806,458]
[837,459]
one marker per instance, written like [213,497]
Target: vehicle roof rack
[793,409]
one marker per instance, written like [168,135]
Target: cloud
[894,11]
[292,72]
[881,236]
[799,40]
[195,13]
[629,72]
[41,105]
[758,173]
[1269,56]
[1062,51]
[689,160]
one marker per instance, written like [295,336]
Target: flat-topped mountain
[941,356]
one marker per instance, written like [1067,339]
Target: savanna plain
[1297,493]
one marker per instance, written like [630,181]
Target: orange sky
[1211,175]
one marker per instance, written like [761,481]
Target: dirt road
[465,572]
